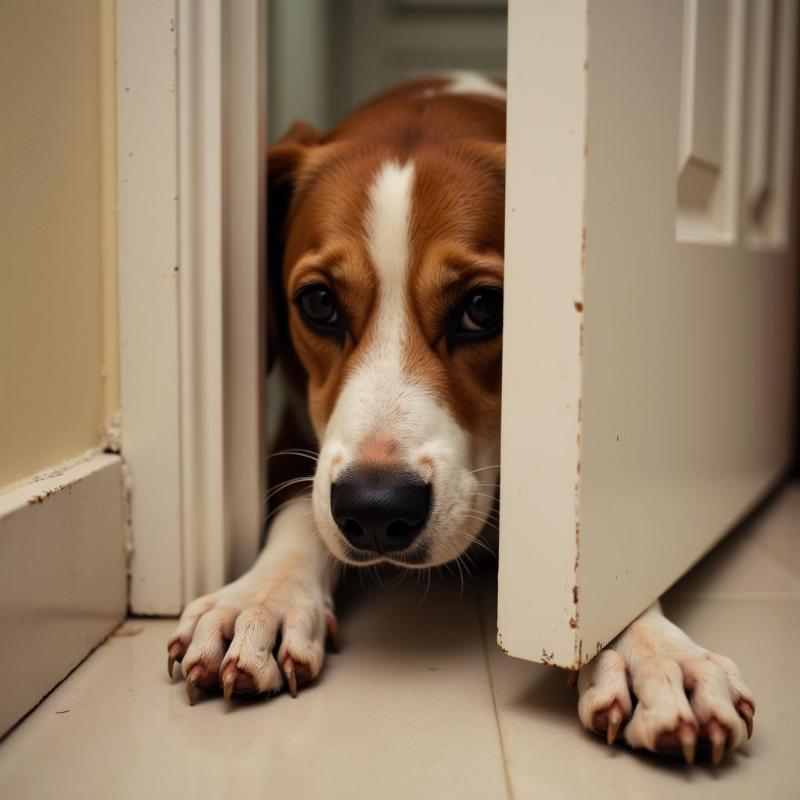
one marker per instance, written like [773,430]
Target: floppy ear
[284,162]
[493,155]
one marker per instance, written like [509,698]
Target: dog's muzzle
[380,510]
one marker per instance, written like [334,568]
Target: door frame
[191,267]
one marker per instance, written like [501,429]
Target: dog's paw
[672,700]
[242,640]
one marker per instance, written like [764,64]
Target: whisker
[467,563]
[376,575]
[483,494]
[286,484]
[427,588]
[483,520]
[290,481]
[400,578]
[481,543]
[460,575]
[482,469]
[310,454]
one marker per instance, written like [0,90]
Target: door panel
[652,335]
[709,145]
[772,30]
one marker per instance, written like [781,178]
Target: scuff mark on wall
[111,440]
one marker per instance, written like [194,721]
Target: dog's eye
[478,317]
[319,309]
[318,305]
[483,310]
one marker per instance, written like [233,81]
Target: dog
[386,285]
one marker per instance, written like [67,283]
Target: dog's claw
[174,653]
[332,626]
[191,683]
[615,717]
[687,736]
[717,738]
[746,712]
[291,677]
[229,676]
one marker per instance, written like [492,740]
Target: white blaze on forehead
[474,83]
[387,226]
[379,395]
[469,83]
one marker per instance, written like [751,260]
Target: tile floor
[421,703]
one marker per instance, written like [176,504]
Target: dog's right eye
[319,310]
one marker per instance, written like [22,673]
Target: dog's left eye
[479,316]
[319,309]
[483,310]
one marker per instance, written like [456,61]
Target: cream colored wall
[58,341]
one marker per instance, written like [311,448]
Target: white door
[651,291]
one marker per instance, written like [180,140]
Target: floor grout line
[486,655]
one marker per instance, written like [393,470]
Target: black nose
[380,510]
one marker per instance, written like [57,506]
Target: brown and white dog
[386,272]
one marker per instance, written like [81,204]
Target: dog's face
[393,275]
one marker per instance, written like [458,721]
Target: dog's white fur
[288,590]
[660,663]
[470,83]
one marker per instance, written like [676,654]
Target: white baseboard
[63,582]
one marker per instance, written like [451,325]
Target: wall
[58,347]
[327,56]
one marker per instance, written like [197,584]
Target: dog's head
[391,276]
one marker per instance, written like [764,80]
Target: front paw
[228,640]
[667,701]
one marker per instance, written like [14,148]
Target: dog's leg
[666,693]
[227,639]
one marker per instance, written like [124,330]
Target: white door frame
[191,261]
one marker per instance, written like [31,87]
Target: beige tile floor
[421,703]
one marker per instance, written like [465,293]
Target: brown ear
[284,162]
[493,155]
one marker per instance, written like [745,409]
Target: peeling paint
[577,548]
[38,499]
